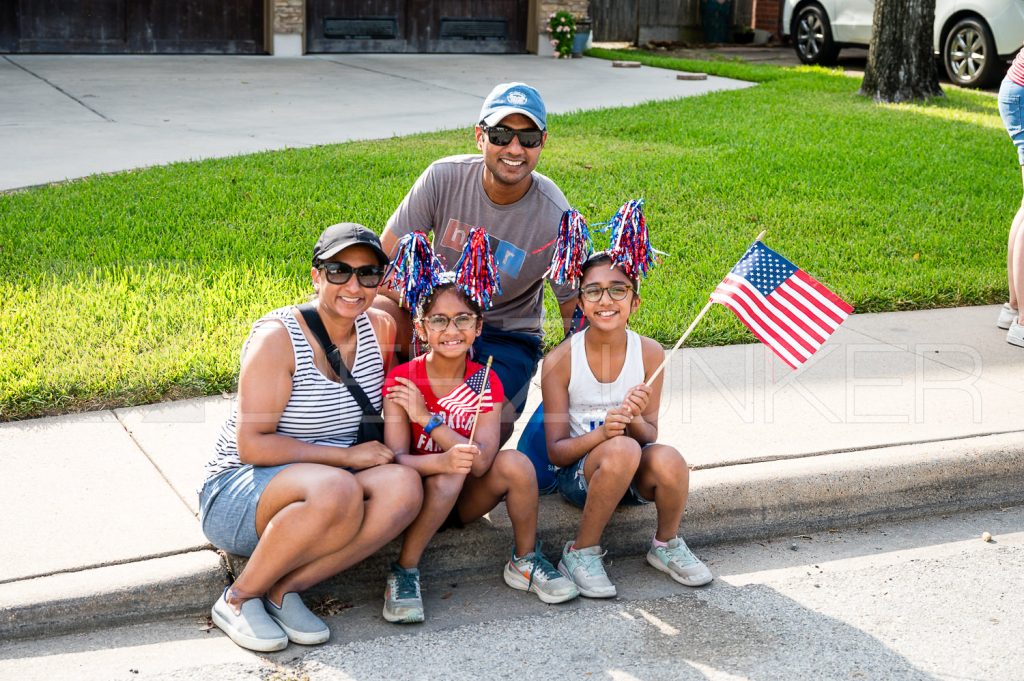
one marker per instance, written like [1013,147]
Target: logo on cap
[516,97]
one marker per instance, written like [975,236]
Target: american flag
[463,400]
[786,308]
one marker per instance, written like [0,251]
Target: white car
[974,37]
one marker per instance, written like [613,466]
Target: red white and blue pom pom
[631,246]
[415,270]
[572,247]
[476,272]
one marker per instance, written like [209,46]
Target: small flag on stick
[786,308]
[485,390]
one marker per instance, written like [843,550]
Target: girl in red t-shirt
[429,410]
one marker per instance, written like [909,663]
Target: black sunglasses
[368,276]
[501,136]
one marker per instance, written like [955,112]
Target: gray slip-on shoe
[251,628]
[298,622]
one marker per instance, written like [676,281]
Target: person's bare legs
[508,422]
[512,478]
[305,512]
[440,493]
[609,469]
[664,478]
[1015,259]
[392,496]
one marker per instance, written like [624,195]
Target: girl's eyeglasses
[440,322]
[501,136]
[368,276]
[594,293]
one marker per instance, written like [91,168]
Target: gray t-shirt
[449,199]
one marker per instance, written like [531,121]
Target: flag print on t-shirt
[457,408]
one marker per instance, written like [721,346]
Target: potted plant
[562,29]
[579,43]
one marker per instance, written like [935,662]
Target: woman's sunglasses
[501,136]
[593,294]
[368,276]
[440,322]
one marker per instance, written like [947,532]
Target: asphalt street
[927,599]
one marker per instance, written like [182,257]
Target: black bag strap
[316,325]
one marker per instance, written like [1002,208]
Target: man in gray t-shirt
[520,209]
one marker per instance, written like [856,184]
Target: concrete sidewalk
[72,116]
[900,414]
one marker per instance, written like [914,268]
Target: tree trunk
[901,62]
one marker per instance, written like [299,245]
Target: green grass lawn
[141,286]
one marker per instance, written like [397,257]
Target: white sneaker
[1015,336]
[678,562]
[534,573]
[1007,316]
[586,569]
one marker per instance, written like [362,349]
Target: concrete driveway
[66,117]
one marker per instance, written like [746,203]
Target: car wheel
[969,54]
[812,36]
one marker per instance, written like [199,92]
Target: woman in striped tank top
[288,485]
[1011,109]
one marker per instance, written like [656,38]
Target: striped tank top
[590,399]
[319,411]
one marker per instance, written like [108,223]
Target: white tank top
[589,399]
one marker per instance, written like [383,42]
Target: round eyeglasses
[594,293]
[440,322]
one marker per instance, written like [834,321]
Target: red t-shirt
[457,408]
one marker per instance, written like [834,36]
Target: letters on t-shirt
[508,257]
[455,421]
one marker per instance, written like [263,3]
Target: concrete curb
[728,503]
[111,595]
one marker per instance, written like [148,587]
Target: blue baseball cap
[514,98]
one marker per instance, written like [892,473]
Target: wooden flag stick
[479,400]
[689,329]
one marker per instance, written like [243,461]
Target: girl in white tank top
[604,435]
[590,399]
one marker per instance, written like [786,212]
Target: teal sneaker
[533,572]
[402,600]
[678,562]
[586,570]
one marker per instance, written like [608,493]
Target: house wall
[288,26]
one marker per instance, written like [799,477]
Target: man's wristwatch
[434,422]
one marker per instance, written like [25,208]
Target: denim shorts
[516,356]
[227,507]
[572,485]
[1010,98]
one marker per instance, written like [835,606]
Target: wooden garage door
[132,26]
[465,26]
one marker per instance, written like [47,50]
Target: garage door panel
[460,26]
[132,26]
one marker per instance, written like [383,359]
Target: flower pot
[582,37]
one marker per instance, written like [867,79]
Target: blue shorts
[572,485]
[227,507]
[1010,100]
[516,356]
